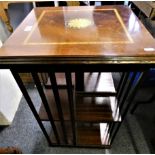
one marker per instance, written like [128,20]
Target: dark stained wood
[61,81]
[52,105]
[95,82]
[115,39]
[88,135]
[92,135]
[90,109]
[27,78]
[60,133]
[96,109]
[115,36]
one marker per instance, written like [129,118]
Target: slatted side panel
[71,127]
[31,104]
[61,126]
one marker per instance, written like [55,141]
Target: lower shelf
[60,133]
[87,135]
[90,109]
[97,109]
[93,135]
[89,112]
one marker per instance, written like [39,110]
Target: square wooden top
[80,32]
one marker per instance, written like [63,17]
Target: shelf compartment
[93,135]
[97,109]
[52,105]
[99,82]
[87,135]
[90,109]
[60,133]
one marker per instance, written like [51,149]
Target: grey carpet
[26,134]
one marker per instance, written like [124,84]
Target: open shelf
[99,82]
[87,135]
[97,109]
[93,135]
[94,108]
[93,82]
[89,109]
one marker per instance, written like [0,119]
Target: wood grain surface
[115,34]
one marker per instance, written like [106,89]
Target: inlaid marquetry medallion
[79,23]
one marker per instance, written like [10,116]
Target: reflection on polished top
[59,33]
[105,31]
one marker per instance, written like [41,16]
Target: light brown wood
[10,150]
[148,8]
[4,15]
[27,78]
[115,35]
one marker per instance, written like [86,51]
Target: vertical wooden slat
[122,86]
[127,90]
[124,98]
[120,82]
[71,103]
[58,104]
[79,81]
[45,102]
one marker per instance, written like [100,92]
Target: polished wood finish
[115,36]
[114,39]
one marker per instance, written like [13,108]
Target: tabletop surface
[80,32]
